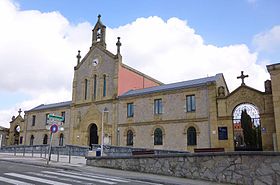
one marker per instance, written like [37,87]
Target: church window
[104,85]
[222,133]
[129,139]
[86,89]
[158,136]
[45,140]
[191,134]
[158,106]
[63,115]
[61,138]
[130,110]
[94,86]
[190,103]
[33,120]
[31,140]
[47,118]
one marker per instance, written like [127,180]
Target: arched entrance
[93,136]
[16,135]
[247,128]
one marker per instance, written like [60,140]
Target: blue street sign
[54,128]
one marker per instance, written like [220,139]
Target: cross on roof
[19,111]
[242,76]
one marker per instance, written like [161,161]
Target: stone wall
[110,150]
[231,167]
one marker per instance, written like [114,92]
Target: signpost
[54,127]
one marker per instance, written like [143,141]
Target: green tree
[248,131]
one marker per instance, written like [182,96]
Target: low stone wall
[110,150]
[231,167]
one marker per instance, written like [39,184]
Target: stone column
[274,71]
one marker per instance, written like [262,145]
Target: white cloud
[40,98]
[38,52]
[268,41]
[171,51]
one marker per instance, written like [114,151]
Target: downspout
[208,115]
[25,125]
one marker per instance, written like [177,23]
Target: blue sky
[220,22]
[197,37]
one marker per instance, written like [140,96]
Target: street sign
[54,128]
[55,117]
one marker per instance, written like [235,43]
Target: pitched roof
[173,86]
[51,106]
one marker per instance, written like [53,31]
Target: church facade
[125,107]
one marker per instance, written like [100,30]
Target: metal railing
[42,150]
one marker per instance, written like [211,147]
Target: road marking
[144,182]
[54,177]
[79,177]
[97,176]
[35,179]
[11,181]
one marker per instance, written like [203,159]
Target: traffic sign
[55,117]
[54,128]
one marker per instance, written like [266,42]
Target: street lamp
[105,110]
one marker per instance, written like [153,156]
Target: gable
[245,94]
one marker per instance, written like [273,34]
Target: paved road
[14,173]
[33,170]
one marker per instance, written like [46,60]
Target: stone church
[129,108]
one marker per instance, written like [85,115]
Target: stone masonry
[248,168]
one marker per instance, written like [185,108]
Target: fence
[42,150]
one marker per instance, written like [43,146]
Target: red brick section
[130,79]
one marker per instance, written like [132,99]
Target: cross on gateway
[242,76]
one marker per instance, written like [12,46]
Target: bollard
[32,153]
[23,150]
[45,152]
[41,153]
[69,154]
[15,152]
[57,155]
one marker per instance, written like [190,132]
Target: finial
[118,45]
[19,111]
[78,57]
[242,76]
[99,16]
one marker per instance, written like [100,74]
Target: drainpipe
[208,115]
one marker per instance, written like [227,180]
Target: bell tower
[98,33]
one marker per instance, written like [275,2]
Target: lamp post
[105,110]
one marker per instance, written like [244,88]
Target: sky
[169,40]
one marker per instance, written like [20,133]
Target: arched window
[158,136]
[45,140]
[86,89]
[31,140]
[129,139]
[191,134]
[94,86]
[104,85]
[61,140]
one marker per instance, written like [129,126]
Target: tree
[248,131]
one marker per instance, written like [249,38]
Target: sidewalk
[63,163]
[79,164]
